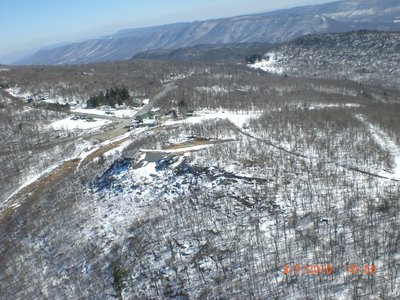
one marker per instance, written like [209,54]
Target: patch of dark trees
[112,97]
[253,58]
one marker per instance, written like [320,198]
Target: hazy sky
[27,24]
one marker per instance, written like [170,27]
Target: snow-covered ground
[69,124]
[16,92]
[83,149]
[60,100]
[88,151]
[332,105]
[209,210]
[220,90]
[29,180]
[131,188]
[120,113]
[386,143]
[176,150]
[214,90]
[35,175]
[269,64]
[237,118]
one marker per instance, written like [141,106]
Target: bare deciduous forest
[256,172]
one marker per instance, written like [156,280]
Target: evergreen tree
[113,96]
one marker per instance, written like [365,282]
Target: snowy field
[16,92]
[120,113]
[269,65]
[237,118]
[69,124]
[385,143]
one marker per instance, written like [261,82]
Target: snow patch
[123,113]
[179,150]
[215,90]
[68,124]
[237,118]
[384,141]
[352,13]
[118,150]
[16,92]
[269,64]
[333,105]
[31,180]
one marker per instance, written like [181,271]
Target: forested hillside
[262,185]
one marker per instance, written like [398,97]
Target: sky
[29,24]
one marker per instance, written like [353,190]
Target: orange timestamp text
[327,269]
[366,269]
[311,269]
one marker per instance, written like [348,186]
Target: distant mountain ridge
[206,53]
[273,27]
